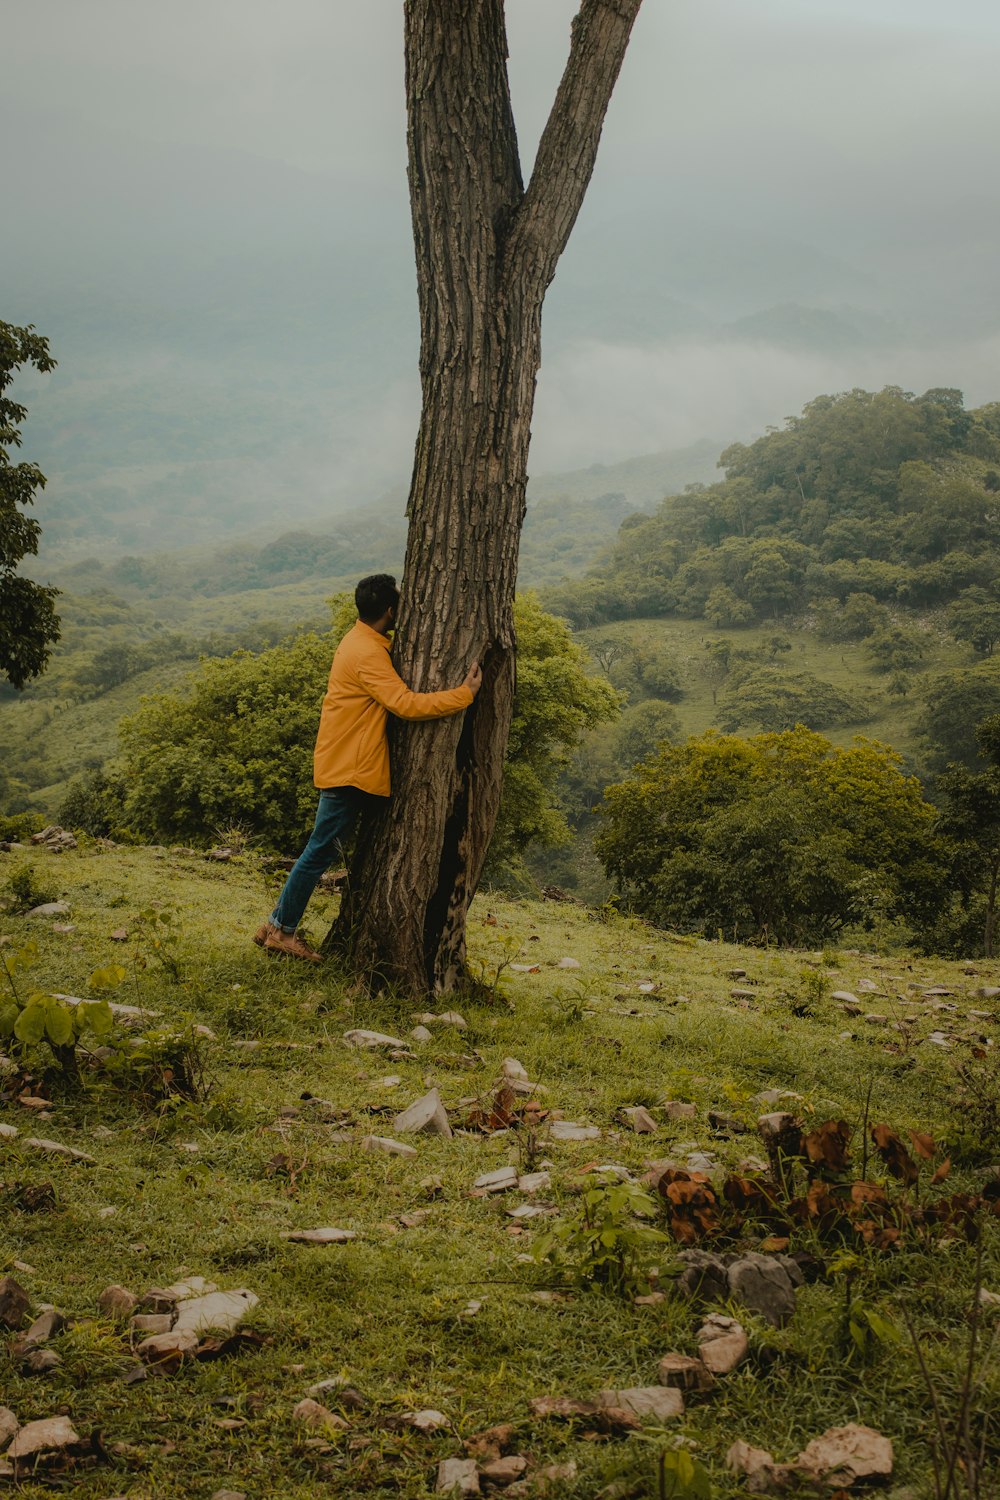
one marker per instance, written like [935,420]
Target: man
[351,759]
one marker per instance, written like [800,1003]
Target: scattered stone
[311,1414]
[988,1299]
[488,1445]
[194,1286]
[702,1161]
[421,1034]
[14,1303]
[42,1329]
[774,1125]
[651,1299]
[458,1476]
[499,1181]
[50,909]
[471,1308]
[765,1285]
[757,1465]
[8,1425]
[414,1218]
[40,1361]
[847,995]
[503,1471]
[149,1323]
[387,1144]
[168,1346]
[371,1039]
[393,1081]
[874,1018]
[659,1401]
[568,1130]
[117,1302]
[54,1148]
[568,963]
[727,1123]
[8,1132]
[426,1114]
[230,1495]
[219,1311]
[722,1344]
[675,1109]
[54,838]
[50,1435]
[319,1236]
[640,1119]
[686,1372]
[108,1212]
[603,1415]
[428,1420]
[545,1481]
[843,1455]
[988,991]
[525,968]
[529,1211]
[432,1186]
[533,1182]
[513,1069]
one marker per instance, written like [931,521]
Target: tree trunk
[486,250]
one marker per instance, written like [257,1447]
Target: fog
[205,209]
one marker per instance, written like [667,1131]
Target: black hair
[375,595]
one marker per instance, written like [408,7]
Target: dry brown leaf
[923,1144]
[895,1155]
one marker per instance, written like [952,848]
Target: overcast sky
[244,160]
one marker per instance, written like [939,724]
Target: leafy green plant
[159,935]
[861,1328]
[23,890]
[603,1243]
[30,1018]
[681,1476]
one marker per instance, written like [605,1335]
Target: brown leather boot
[273,940]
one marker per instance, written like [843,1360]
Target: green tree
[28,622]
[895,649]
[970,818]
[783,835]
[774,700]
[953,704]
[975,617]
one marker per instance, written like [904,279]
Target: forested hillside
[885,494]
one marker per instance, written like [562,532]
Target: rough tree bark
[486,250]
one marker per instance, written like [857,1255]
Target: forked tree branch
[567,150]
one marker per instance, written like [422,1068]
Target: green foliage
[28,621]
[23,891]
[782,836]
[29,1018]
[975,617]
[970,819]
[603,1244]
[895,649]
[881,494]
[774,700]
[682,1477]
[94,804]
[952,705]
[555,702]
[236,747]
[860,615]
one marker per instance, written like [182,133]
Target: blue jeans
[336,816]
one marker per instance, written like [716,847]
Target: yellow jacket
[364,688]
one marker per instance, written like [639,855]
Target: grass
[193,1194]
[843,664]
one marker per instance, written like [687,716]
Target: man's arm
[387,687]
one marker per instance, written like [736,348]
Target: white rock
[387,1144]
[842,1455]
[529,1211]
[568,1130]
[722,1344]
[427,1113]
[50,909]
[8,1425]
[848,995]
[458,1476]
[319,1236]
[219,1310]
[533,1182]
[393,1081]
[8,1132]
[193,1286]
[514,1069]
[428,1420]
[568,963]
[640,1119]
[311,1414]
[119,1011]
[498,1181]
[54,1148]
[49,1435]
[421,1034]
[660,1401]
[371,1039]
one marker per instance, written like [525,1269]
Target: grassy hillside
[439,1303]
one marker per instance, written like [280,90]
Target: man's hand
[474,679]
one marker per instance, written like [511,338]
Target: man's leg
[336,816]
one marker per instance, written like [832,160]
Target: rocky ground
[647,1215]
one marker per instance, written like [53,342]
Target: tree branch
[568,147]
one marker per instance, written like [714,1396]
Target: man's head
[376,597]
